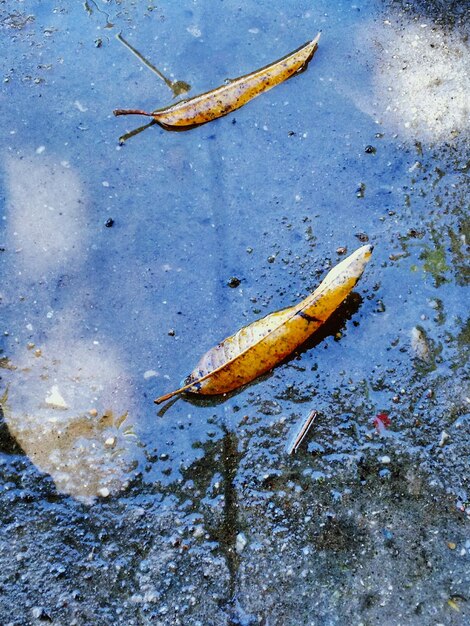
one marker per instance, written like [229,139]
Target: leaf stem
[193,383]
[167,396]
[131,112]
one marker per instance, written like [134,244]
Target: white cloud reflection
[46,214]
[419,75]
[422,80]
[69,403]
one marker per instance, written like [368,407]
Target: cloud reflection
[421,81]
[419,78]
[46,214]
[69,401]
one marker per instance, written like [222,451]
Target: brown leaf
[258,347]
[208,106]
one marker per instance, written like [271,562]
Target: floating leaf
[208,106]
[258,347]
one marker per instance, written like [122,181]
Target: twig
[301,433]
[136,131]
[178,87]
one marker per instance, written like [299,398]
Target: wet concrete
[121,265]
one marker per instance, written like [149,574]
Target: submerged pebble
[361,190]
[54,399]
[240,543]
[419,344]
[444,438]
[233,282]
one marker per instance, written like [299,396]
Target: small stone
[271,258]
[38,612]
[385,460]
[362,237]
[240,543]
[110,442]
[55,400]
[233,282]
[419,344]
[341,250]
[444,438]
[150,374]
[103,492]
[370,150]
[451,545]
[416,165]
[93,412]
[109,222]
[361,191]
[172,332]
[198,532]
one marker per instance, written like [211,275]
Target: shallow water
[117,264]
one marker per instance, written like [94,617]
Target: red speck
[381,421]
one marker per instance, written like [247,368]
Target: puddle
[122,265]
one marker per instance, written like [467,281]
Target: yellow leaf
[208,106]
[258,347]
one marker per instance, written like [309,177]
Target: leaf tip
[364,252]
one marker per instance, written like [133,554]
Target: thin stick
[136,131]
[89,10]
[144,61]
[178,87]
[302,432]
